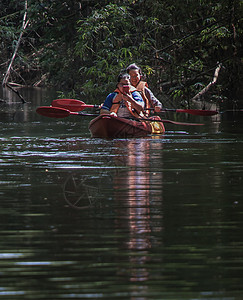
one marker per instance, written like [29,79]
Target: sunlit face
[134,77]
[124,81]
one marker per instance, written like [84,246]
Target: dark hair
[134,67]
[121,76]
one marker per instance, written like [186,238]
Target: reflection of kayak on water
[108,126]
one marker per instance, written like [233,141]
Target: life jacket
[118,99]
[141,89]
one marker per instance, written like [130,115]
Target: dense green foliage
[81,46]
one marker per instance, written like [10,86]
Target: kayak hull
[107,126]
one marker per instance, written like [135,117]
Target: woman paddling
[150,100]
[125,101]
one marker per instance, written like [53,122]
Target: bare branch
[199,95]
[24,25]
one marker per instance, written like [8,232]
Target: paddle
[55,112]
[196,112]
[199,112]
[77,105]
[72,104]
[169,121]
[58,112]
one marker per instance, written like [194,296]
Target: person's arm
[136,101]
[105,109]
[153,100]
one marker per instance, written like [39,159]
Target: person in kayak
[150,100]
[125,101]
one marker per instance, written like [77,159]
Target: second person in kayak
[125,101]
[151,102]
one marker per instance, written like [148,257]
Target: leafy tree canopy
[81,46]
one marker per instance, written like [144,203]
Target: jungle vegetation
[79,47]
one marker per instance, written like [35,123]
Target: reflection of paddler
[133,194]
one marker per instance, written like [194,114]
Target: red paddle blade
[52,112]
[199,112]
[70,104]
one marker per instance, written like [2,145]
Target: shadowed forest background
[79,47]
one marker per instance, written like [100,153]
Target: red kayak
[107,126]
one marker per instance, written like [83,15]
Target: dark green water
[138,219]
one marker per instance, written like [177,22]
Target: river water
[159,217]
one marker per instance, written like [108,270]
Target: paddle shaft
[57,112]
[77,105]
[197,112]
[168,121]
